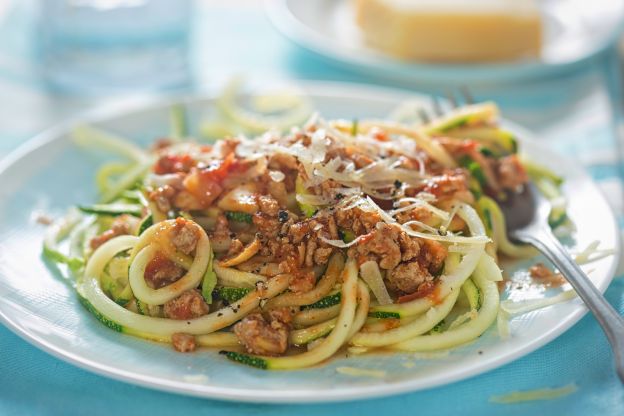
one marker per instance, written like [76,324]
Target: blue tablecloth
[573,112]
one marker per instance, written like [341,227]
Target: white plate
[575,30]
[51,173]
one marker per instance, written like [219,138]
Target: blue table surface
[574,112]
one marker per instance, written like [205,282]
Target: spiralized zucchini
[465,332]
[237,274]
[190,280]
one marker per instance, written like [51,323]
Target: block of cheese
[452,30]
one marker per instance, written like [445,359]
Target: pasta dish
[282,249]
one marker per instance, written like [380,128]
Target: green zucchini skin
[145,224]
[98,315]
[231,294]
[473,294]
[113,210]
[385,315]
[239,216]
[246,359]
[326,302]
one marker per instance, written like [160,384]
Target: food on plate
[281,249]
[452,30]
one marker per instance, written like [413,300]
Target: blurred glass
[112,46]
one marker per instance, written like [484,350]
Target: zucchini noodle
[265,246]
[311,333]
[104,175]
[166,327]
[191,279]
[336,264]
[89,137]
[338,335]
[419,326]
[499,233]
[314,316]
[465,332]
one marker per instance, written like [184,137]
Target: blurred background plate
[50,173]
[575,31]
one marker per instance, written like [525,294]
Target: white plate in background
[575,30]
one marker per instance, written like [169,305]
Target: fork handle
[611,322]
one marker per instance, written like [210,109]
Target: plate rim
[288,25]
[324,88]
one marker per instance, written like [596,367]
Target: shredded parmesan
[533,395]
[519,308]
[196,378]
[592,253]
[340,243]
[361,372]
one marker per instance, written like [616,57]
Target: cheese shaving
[533,395]
[361,372]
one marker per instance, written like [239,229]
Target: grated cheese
[361,372]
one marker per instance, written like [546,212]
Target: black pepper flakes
[282,216]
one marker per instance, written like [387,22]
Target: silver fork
[526,214]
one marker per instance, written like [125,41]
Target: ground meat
[309,253]
[295,245]
[321,255]
[173,163]
[357,220]
[183,342]
[122,225]
[410,247]
[510,172]
[543,274]
[380,245]
[267,225]
[268,205]
[160,272]
[424,289]
[299,231]
[188,305]
[451,184]
[184,236]
[432,255]
[419,213]
[163,197]
[264,336]
[407,277]
[302,281]
[540,271]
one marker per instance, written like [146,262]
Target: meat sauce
[205,180]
